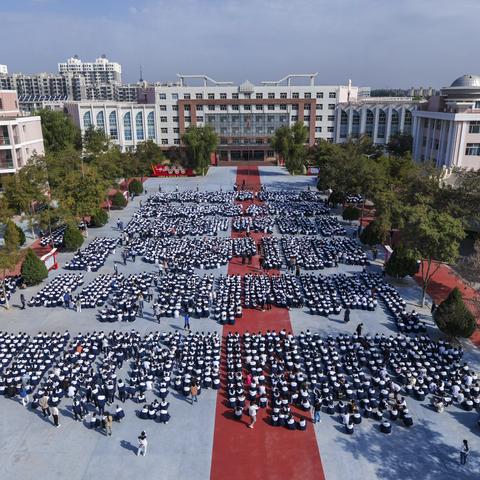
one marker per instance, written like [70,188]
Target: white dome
[467,81]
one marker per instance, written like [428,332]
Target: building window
[235,107]
[162,96]
[199,96]
[235,96]
[199,108]
[223,96]
[175,108]
[307,95]
[271,107]
[382,122]
[318,129]
[319,106]
[330,129]
[319,94]
[283,107]
[223,107]
[318,118]
[174,96]
[247,107]
[294,118]
[271,95]
[331,106]
[175,119]
[186,96]
[164,141]
[163,108]
[176,141]
[259,95]
[176,130]
[259,107]
[306,106]
[139,126]
[283,95]
[188,119]
[211,96]
[200,119]
[332,95]
[87,120]
[211,107]
[101,121]
[164,119]
[472,149]
[187,108]
[164,130]
[127,126]
[112,122]
[295,95]
[247,95]
[474,127]
[331,118]
[306,118]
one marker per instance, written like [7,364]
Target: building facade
[377,117]
[244,116]
[100,71]
[3,70]
[20,136]
[447,128]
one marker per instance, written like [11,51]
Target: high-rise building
[3,70]
[244,116]
[95,73]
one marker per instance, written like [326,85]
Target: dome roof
[467,81]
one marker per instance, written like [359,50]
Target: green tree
[99,218]
[9,256]
[14,234]
[147,154]
[200,142]
[400,144]
[33,269]
[351,213]
[136,187]
[453,317]
[290,142]
[401,263]
[59,132]
[118,200]
[95,141]
[435,236]
[73,238]
[375,233]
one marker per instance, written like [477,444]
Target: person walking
[252,411]
[346,315]
[23,301]
[108,424]
[43,402]
[194,392]
[186,321]
[55,414]
[78,304]
[142,444]
[358,330]
[465,450]
[23,396]
[317,409]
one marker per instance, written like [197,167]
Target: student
[346,315]
[252,411]
[108,424]
[194,392]
[317,408]
[119,413]
[24,396]
[43,402]
[186,321]
[465,450]
[238,412]
[55,415]
[23,301]
[142,444]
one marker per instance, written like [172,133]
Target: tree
[453,317]
[401,263]
[435,236]
[136,187]
[200,142]
[14,234]
[351,213]
[147,154]
[9,254]
[99,218]
[470,266]
[59,132]
[179,155]
[375,233]
[33,269]
[290,142]
[118,200]
[336,198]
[95,141]
[72,238]
[400,144]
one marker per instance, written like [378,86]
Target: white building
[447,128]
[98,72]
[3,70]
[20,136]
[377,117]
[244,116]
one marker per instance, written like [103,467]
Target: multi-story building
[97,72]
[447,128]
[245,116]
[32,103]
[20,136]
[3,70]
[376,117]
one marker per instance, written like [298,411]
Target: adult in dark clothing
[23,301]
[358,330]
[346,315]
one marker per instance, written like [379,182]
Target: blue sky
[391,43]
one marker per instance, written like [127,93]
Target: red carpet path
[266,452]
[444,280]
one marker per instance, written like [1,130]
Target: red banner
[171,171]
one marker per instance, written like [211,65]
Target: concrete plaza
[30,447]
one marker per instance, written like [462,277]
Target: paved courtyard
[31,448]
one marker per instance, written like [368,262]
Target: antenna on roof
[141,74]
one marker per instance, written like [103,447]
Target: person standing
[186,321]
[358,330]
[142,444]
[346,315]
[317,408]
[108,424]
[194,392]
[23,301]
[465,450]
[78,304]
[43,402]
[23,396]
[252,411]
[55,415]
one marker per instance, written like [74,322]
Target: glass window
[163,119]
[175,119]
[283,95]
[235,107]
[332,95]
[319,118]
[319,94]
[175,108]
[87,120]
[318,129]
[295,95]
[199,96]
[474,127]
[163,96]
[163,108]
[200,119]
[307,95]
[211,96]
[223,96]
[271,95]
[331,118]
[235,96]
[259,95]
[247,107]
[151,126]
[174,96]
[223,107]
[283,107]
[176,130]
[258,107]
[271,107]
[101,121]
[112,123]
[319,106]
[164,130]
[176,141]
[127,126]
[139,126]
[164,141]
[199,108]
[186,96]
[331,106]
[472,149]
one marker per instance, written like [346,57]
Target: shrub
[33,269]
[351,213]
[453,317]
[73,238]
[13,237]
[136,187]
[401,263]
[374,233]
[118,200]
[99,218]
[21,234]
